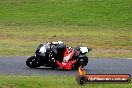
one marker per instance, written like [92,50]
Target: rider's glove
[53,59]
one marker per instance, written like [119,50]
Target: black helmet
[61,48]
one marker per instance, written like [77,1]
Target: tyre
[53,67]
[32,62]
[85,61]
[81,63]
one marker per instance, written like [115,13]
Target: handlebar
[89,49]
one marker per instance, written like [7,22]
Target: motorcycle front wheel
[81,63]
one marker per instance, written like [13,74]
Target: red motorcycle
[45,53]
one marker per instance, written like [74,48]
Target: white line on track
[129,58]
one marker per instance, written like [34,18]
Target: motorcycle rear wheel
[32,62]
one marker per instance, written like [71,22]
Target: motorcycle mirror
[89,49]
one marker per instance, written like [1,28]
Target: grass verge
[50,82]
[23,40]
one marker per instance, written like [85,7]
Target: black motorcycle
[45,52]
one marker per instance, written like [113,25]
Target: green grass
[97,13]
[104,25]
[23,40]
[50,82]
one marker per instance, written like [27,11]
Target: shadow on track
[52,69]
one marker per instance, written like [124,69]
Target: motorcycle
[45,52]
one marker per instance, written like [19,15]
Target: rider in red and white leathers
[67,54]
[67,57]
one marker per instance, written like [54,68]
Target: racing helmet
[61,48]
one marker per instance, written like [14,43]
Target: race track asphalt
[15,65]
